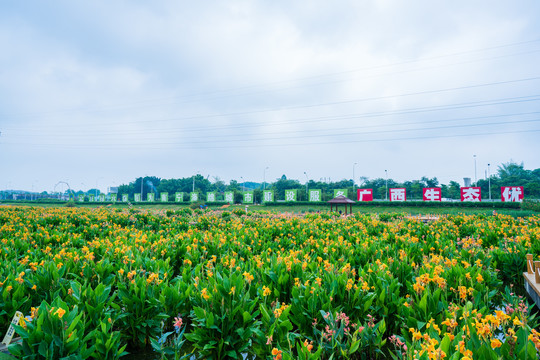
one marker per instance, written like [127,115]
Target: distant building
[467,182]
[113,190]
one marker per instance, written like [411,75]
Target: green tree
[416,191]
[512,171]
[94,192]
[454,190]
[219,185]
[234,186]
[283,184]
[429,182]
[379,187]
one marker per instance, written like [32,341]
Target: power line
[304,78]
[366,133]
[349,128]
[368,115]
[342,102]
[341,135]
[259,92]
[300,144]
[384,125]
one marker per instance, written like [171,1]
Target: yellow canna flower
[249,278]
[496,343]
[204,294]
[60,312]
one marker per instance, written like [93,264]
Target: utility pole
[353,181]
[489,183]
[475,178]
[307,180]
[386,195]
[264,177]
[194,180]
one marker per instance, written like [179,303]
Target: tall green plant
[55,332]
[226,319]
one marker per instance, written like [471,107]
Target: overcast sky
[97,93]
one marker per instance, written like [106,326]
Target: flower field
[97,283]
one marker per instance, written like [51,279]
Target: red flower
[178,322]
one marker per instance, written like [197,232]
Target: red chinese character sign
[398,194]
[365,195]
[471,194]
[512,193]
[431,194]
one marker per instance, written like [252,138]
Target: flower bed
[94,283]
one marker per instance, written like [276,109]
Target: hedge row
[526,205]
[453,204]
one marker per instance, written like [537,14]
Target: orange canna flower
[277,354]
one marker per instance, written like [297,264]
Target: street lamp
[307,180]
[386,195]
[32,196]
[96,189]
[353,182]
[489,183]
[142,182]
[264,177]
[84,192]
[475,178]
[197,173]
[243,183]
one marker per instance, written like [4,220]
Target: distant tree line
[509,174]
